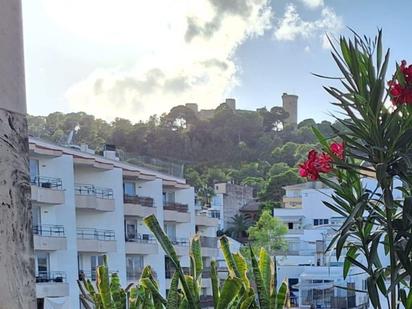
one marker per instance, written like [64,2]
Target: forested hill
[242,146]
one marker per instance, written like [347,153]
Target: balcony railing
[138,200]
[175,206]
[50,276]
[91,190]
[49,230]
[46,182]
[91,274]
[170,271]
[133,274]
[141,238]
[206,301]
[209,213]
[180,241]
[95,234]
[208,242]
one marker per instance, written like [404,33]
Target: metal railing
[50,276]
[46,182]
[141,238]
[138,200]
[91,274]
[49,230]
[180,241]
[208,242]
[95,234]
[92,190]
[170,271]
[175,206]
[133,274]
[206,301]
[209,213]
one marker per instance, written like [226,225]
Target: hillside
[245,147]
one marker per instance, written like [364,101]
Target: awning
[56,303]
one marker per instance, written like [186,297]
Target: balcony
[94,198]
[292,201]
[209,246]
[47,190]
[49,237]
[176,212]
[51,284]
[206,301]
[139,206]
[181,245]
[141,244]
[205,218]
[91,274]
[171,270]
[134,275]
[95,240]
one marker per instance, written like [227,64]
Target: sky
[133,59]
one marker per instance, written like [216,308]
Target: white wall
[111,220]
[63,260]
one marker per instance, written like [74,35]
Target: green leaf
[215,282]
[230,290]
[103,284]
[346,265]
[196,254]
[263,297]
[281,297]
[173,295]
[230,261]
[265,269]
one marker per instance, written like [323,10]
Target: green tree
[239,226]
[268,233]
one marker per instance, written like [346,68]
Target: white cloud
[292,27]
[313,4]
[173,51]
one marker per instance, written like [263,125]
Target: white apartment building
[86,206]
[313,275]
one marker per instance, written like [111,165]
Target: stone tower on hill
[290,105]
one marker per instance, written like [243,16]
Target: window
[129,188]
[34,169]
[320,221]
[95,260]
[131,229]
[170,230]
[290,225]
[42,264]
[36,217]
[169,197]
[134,266]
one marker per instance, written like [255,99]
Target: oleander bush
[374,140]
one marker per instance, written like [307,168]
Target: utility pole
[17,284]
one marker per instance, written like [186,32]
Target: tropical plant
[108,293]
[376,142]
[238,290]
[239,224]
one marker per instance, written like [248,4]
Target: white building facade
[86,206]
[316,278]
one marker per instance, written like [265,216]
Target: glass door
[131,230]
[34,170]
[42,266]
[95,260]
[36,215]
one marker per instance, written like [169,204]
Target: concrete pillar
[17,285]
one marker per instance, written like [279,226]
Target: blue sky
[132,59]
